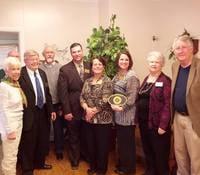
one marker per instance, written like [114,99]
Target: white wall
[59,22]
[141,19]
[62,22]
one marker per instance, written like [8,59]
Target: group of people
[76,96]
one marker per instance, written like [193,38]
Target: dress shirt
[32,77]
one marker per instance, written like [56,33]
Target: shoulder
[131,75]
[67,66]
[88,80]
[175,64]
[41,71]
[106,79]
[197,61]
[4,87]
[23,69]
[164,78]
[58,65]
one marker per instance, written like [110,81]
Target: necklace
[96,81]
[121,76]
[145,88]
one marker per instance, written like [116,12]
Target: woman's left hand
[161,131]
[116,108]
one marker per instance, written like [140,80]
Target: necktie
[40,99]
[81,73]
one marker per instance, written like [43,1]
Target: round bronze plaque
[117,99]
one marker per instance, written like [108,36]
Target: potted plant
[106,43]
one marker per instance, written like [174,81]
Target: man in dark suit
[36,120]
[70,83]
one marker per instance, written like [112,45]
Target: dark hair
[101,59]
[74,45]
[125,52]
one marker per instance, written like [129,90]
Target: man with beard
[51,68]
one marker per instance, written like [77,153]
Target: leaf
[108,43]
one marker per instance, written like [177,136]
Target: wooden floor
[62,167]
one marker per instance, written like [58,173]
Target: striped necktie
[81,73]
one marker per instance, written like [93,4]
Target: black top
[179,96]
[143,103]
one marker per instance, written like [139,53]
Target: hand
[116,108]
[68,117]
[161,131]
[90,112]
[60,112]
[53,116]
[11,136]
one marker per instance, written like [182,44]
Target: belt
[183,113]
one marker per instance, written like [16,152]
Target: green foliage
[106,43]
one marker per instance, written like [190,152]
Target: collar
[31,72]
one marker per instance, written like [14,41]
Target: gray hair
[29,53]
[53,47]
[11,61]
[158,55]
[185,38]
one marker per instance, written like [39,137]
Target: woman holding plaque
[11,113]
[98,116]
[153,114]
[127,84]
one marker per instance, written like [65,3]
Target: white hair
[157,55]
[185,38]
[10,61]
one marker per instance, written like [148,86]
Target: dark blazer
[70,87]
[192,91]
[2,74]
[159,103]
[27,87]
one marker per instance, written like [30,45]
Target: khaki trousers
[186,145]
[10,150]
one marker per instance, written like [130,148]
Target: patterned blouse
[96,95]
[128,86]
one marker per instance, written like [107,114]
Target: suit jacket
[27,87]
[70,87]
[2,74]
[159,103]
[192,92]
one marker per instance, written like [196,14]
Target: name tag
[87,71]
[159,84]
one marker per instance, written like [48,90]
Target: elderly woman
[126,83]
[11,111]
[98,116]
[153,113]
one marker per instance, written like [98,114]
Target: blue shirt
[179,97]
